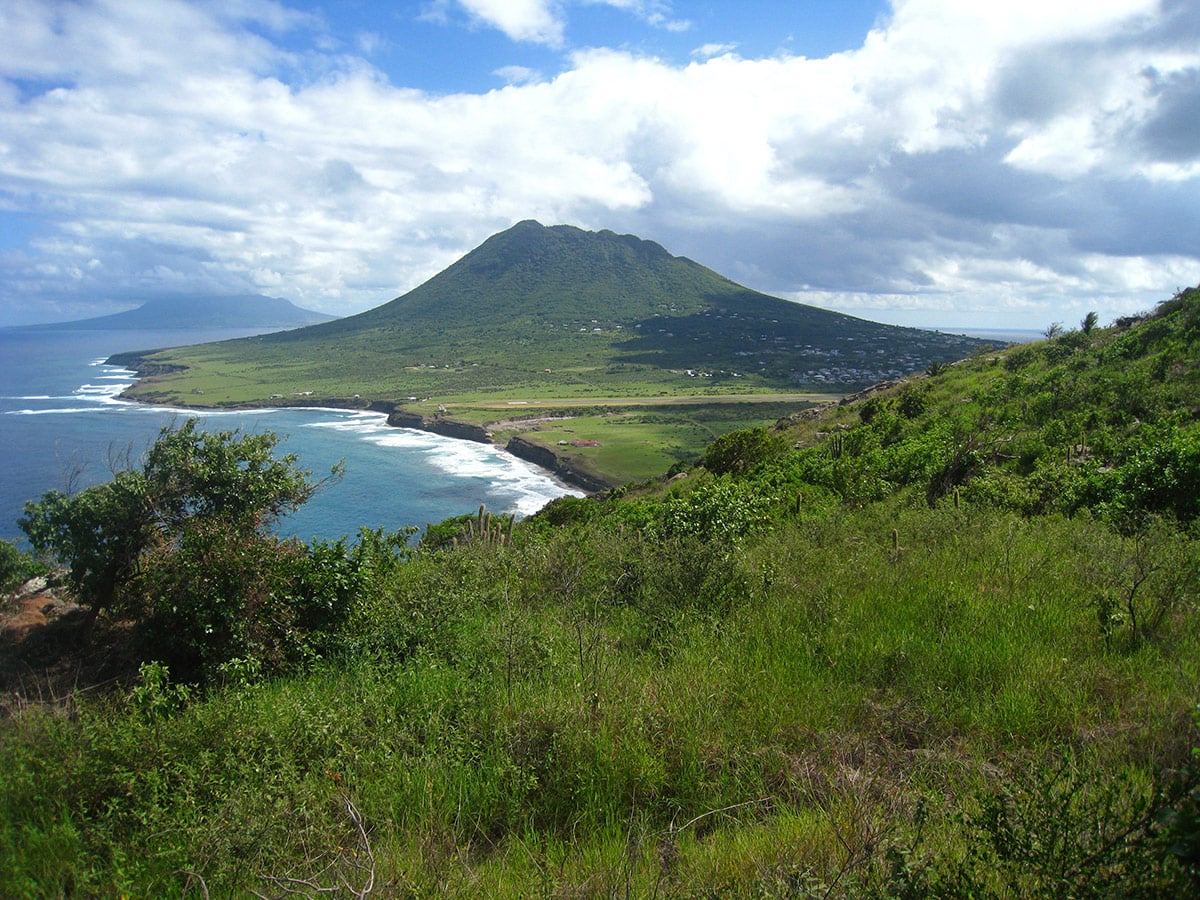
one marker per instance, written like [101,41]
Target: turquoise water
[62,427]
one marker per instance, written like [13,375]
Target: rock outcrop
[548,459]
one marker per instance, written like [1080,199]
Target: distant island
[201,311]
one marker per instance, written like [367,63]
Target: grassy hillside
[939,642]
[558,312]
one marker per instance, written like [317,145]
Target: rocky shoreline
[397,417]
[518,446]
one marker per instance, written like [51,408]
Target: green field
[637,439]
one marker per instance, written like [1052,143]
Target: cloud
[1172,132]
[1016,162]
[518,74]
[538,21]
[656,13]
[706,51]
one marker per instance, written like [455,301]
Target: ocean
[63,427]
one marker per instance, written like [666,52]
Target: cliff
[548,459]
[463,431]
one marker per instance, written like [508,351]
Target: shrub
[723,509]
[15,566]
[182,545]
[739,452]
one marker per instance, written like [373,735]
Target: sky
[942,163]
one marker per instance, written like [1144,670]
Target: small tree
[183,545]
[737,452]
[1089,322]
[99,533]
[15,566]
[190,476]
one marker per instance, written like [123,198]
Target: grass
[564,726]
[915,648]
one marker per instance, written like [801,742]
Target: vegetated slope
[570,312]
[204,311]
[943,641]
[1106,419]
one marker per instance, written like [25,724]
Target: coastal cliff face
[463,431]
[517,446]
[548,459]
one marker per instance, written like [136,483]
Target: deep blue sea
[62,427]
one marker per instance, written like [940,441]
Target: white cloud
[521,20]
[518,74]
[1010,159]
[654,12]
[706,51]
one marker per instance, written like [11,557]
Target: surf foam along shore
[525,486]
[545,460]
[513,485]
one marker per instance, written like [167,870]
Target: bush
[16,567]
[182,546]
[1066,830]
[739,452]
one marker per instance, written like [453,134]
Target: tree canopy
[183,545]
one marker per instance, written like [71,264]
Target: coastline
[397,417]
[524,449]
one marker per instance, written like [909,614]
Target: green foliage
[1061,830]
[16,566]
[182,546]
[154,697]
[1098,419]
[601,704]
[220,482]
[723,509]
[946,646]
[224,476]
[100,533]
[209,598]
[1160,475]
[738,452]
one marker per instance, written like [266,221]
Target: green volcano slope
[559,312]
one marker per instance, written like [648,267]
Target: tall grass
[609,717]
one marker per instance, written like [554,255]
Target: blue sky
[927,162]
[446,48]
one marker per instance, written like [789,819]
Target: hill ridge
[202,311]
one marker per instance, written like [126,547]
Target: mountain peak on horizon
[532,229]
[186,311]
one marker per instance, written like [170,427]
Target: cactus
[484,528]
